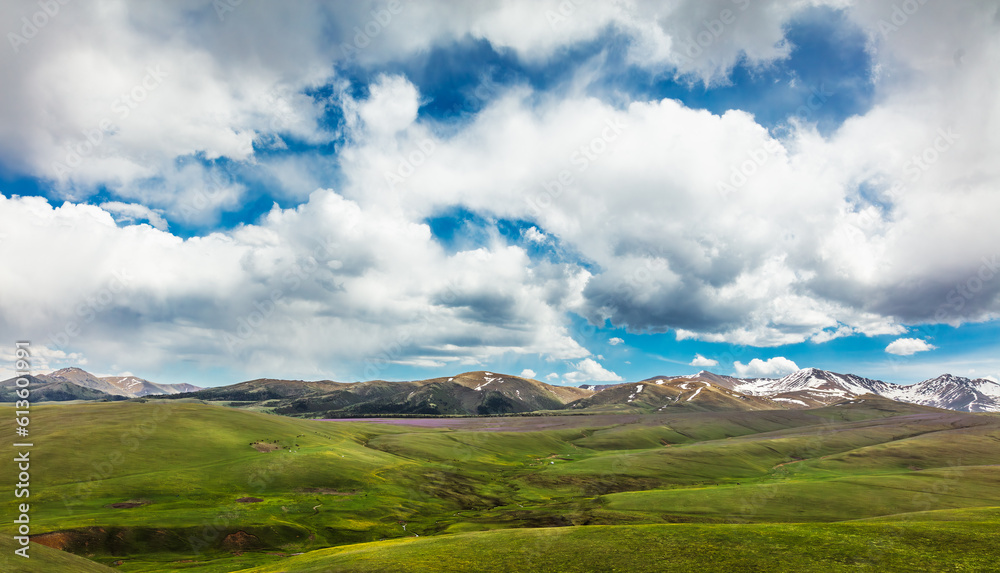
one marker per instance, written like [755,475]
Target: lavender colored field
[511,423]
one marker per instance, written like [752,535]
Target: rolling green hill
[43,390]
[167,485]
[44,560]
[820,548]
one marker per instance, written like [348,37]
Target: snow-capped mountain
[128,386]
[954,393]
[806,388]
[812,387]
[717,379]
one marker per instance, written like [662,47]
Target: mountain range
[488,393]
[472,393]
[812,387]
[77,384]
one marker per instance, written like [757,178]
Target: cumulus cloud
[762,274]
[700,360]
[131,212]
[43,359]
[908,346]
[771,368]
[726,285]
[528,373]
[391,105]
[615,341]
[699,39]
[109,85]
[321,279]
[534,235]
[832,234]
[589,370]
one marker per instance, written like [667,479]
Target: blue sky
[593,195]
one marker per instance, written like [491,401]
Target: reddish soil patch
[129,504]
[249,500]
[265,448]
[240,540]
[57,540]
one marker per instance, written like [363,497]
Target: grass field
[44,560]
[816,548]
[174,486]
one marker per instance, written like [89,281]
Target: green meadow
[178,486]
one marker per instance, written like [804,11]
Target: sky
[579,192]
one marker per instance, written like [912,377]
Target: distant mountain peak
[804,388]
[70,369]
[812,386]
[126,386]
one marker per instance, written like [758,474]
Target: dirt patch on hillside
[57,540]
[241,540]
[126,541]
[129,504]
[249,500]
[325,491]
[264,447]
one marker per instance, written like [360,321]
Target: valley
[181,485]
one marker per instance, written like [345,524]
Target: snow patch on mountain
[945,391]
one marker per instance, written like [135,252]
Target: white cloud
[108,84]
[132,212]
[753,291]
[785,278]
[390,107]
[762,264]
[832,334]
[332,267]
[43,359]
[250,93]
[771,368]
[528,373]
[700,360]
[589,370]
[191,193]
[908,346]
[689,36]
[615,341]
[534,235]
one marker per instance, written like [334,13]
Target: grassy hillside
[968,546]
[43,390]
[44,560]
[177,486]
